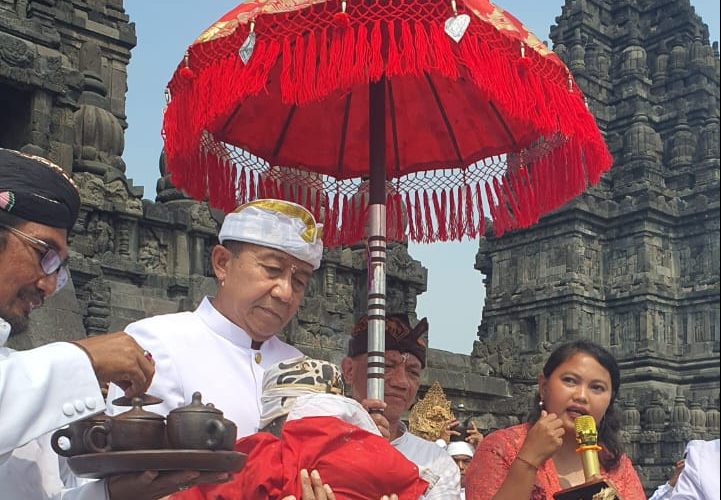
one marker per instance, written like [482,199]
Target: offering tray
[99,465]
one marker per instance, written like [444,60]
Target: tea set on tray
[192,437]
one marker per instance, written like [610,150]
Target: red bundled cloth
[358,465]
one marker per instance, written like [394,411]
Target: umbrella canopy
[478,116]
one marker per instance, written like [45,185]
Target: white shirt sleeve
[44,389]
[663,492]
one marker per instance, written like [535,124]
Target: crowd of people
[304,439]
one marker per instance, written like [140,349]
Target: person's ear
[542,383]
[219,259]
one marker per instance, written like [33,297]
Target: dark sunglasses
[50,260]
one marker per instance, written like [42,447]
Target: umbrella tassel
[440,212]
[481,211]
[417,209]
[286,72]
[408,51]
[453,228]
[461,213]
[335,55]
[347,59]
[498,224]
[321,82]
[503,205]
[375,69]
[242,186]
[298,60]
[310,67]
[443,57]
[362,56]
[470,223]
[398,226]
[410,214]
[393,66]
[430,232]
[422,48]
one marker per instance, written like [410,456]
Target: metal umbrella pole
[377,240]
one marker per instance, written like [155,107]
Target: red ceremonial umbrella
[448,110]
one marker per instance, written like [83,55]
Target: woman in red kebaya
[537,459]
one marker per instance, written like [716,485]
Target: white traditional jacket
[204,351]
[42,390]
[434,465]
[700,479]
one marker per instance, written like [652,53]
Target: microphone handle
[589,459]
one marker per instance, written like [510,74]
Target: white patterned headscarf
[286,381]
[276,224]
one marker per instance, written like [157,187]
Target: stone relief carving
[16,52]
[200,216]
[152,255]
[102,235]
[118,192]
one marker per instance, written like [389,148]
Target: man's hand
[378,418]
[312,487]
[473,435]
[448,430]
[150,485]
[117,357]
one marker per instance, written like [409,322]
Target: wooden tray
[99,465]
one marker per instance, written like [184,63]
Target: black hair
[7,220]
[610,425]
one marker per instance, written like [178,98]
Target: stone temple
[632,264]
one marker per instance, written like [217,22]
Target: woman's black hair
[610,425]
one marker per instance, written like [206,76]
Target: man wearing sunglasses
[54,385]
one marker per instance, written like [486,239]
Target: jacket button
[68,410]
[90,403]
[79,406]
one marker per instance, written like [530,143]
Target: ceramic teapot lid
[197,406]
[147,399]
[137,412]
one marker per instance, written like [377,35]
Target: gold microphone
[587,439]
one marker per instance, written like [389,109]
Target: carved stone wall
[632,264]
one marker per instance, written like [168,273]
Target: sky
[454,300]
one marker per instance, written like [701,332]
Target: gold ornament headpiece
[430,414]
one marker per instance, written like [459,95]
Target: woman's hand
[543,440]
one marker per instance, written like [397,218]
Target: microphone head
[586,434]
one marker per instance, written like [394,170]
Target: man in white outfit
[267,253]
[51,386]
[699,479]
[405,358]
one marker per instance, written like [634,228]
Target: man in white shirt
[405,358]
[461,452]
[51,386]
[267,253]
[699,479]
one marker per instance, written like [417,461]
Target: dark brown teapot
[136,429]
[196,426]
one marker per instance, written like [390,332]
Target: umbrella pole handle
[376,302]
[377,239]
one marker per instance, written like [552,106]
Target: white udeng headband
[277,224]
[455,448]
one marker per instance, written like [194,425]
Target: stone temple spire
[632,263]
